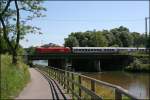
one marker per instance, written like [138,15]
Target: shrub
[13,77]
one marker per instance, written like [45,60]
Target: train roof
[106,48]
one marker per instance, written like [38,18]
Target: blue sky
[64,17]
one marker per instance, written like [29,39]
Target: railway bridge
[84,61]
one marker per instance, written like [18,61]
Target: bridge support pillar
[86,65]
[97,65]
[58,63]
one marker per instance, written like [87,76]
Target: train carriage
[88,49]
[53,50]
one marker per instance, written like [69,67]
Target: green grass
[13,77]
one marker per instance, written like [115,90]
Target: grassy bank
[140,63]
[13,77]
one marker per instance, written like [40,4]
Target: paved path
[38,87]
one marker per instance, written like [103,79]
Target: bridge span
[84,61]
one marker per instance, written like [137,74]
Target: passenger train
[87,49]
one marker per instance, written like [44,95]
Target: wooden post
[64,80]
[59,77]
[117,95]
[49,72]
[72,75]
[93,85]
[68,82]
[80,84]
[54,73]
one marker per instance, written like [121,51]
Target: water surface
[136,83]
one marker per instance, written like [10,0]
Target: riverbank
[140,63]
[13,77]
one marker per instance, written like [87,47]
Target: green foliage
[3,46]
[148,41]
[14,27]
[30,50]
[100,39]
[139,65]
[13,77]
[71,42]
[117,37]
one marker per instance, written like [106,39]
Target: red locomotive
[53,50]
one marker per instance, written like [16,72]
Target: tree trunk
[14,58]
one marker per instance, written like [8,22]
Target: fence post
[72,75]
[49,72]
[68,82]
[80,84]
[54,74]
[117,95]
[64,79]
[59,77]
[93,85]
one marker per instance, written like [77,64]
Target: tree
[30,50]
[100,40]
[125,39]
[13,27]
[117,37]
[136,39]
[71,41]
[116,34]
[122,35]
[109,37]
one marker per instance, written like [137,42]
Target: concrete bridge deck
[39,88]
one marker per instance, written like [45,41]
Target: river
[136,83]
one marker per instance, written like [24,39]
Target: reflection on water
[136,83]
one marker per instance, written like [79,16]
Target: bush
[13,77]
[139,65]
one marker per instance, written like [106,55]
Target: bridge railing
[84,87]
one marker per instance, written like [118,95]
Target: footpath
[37,88]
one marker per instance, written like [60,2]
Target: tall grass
[13,77]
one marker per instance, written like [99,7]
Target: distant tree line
[117,37]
